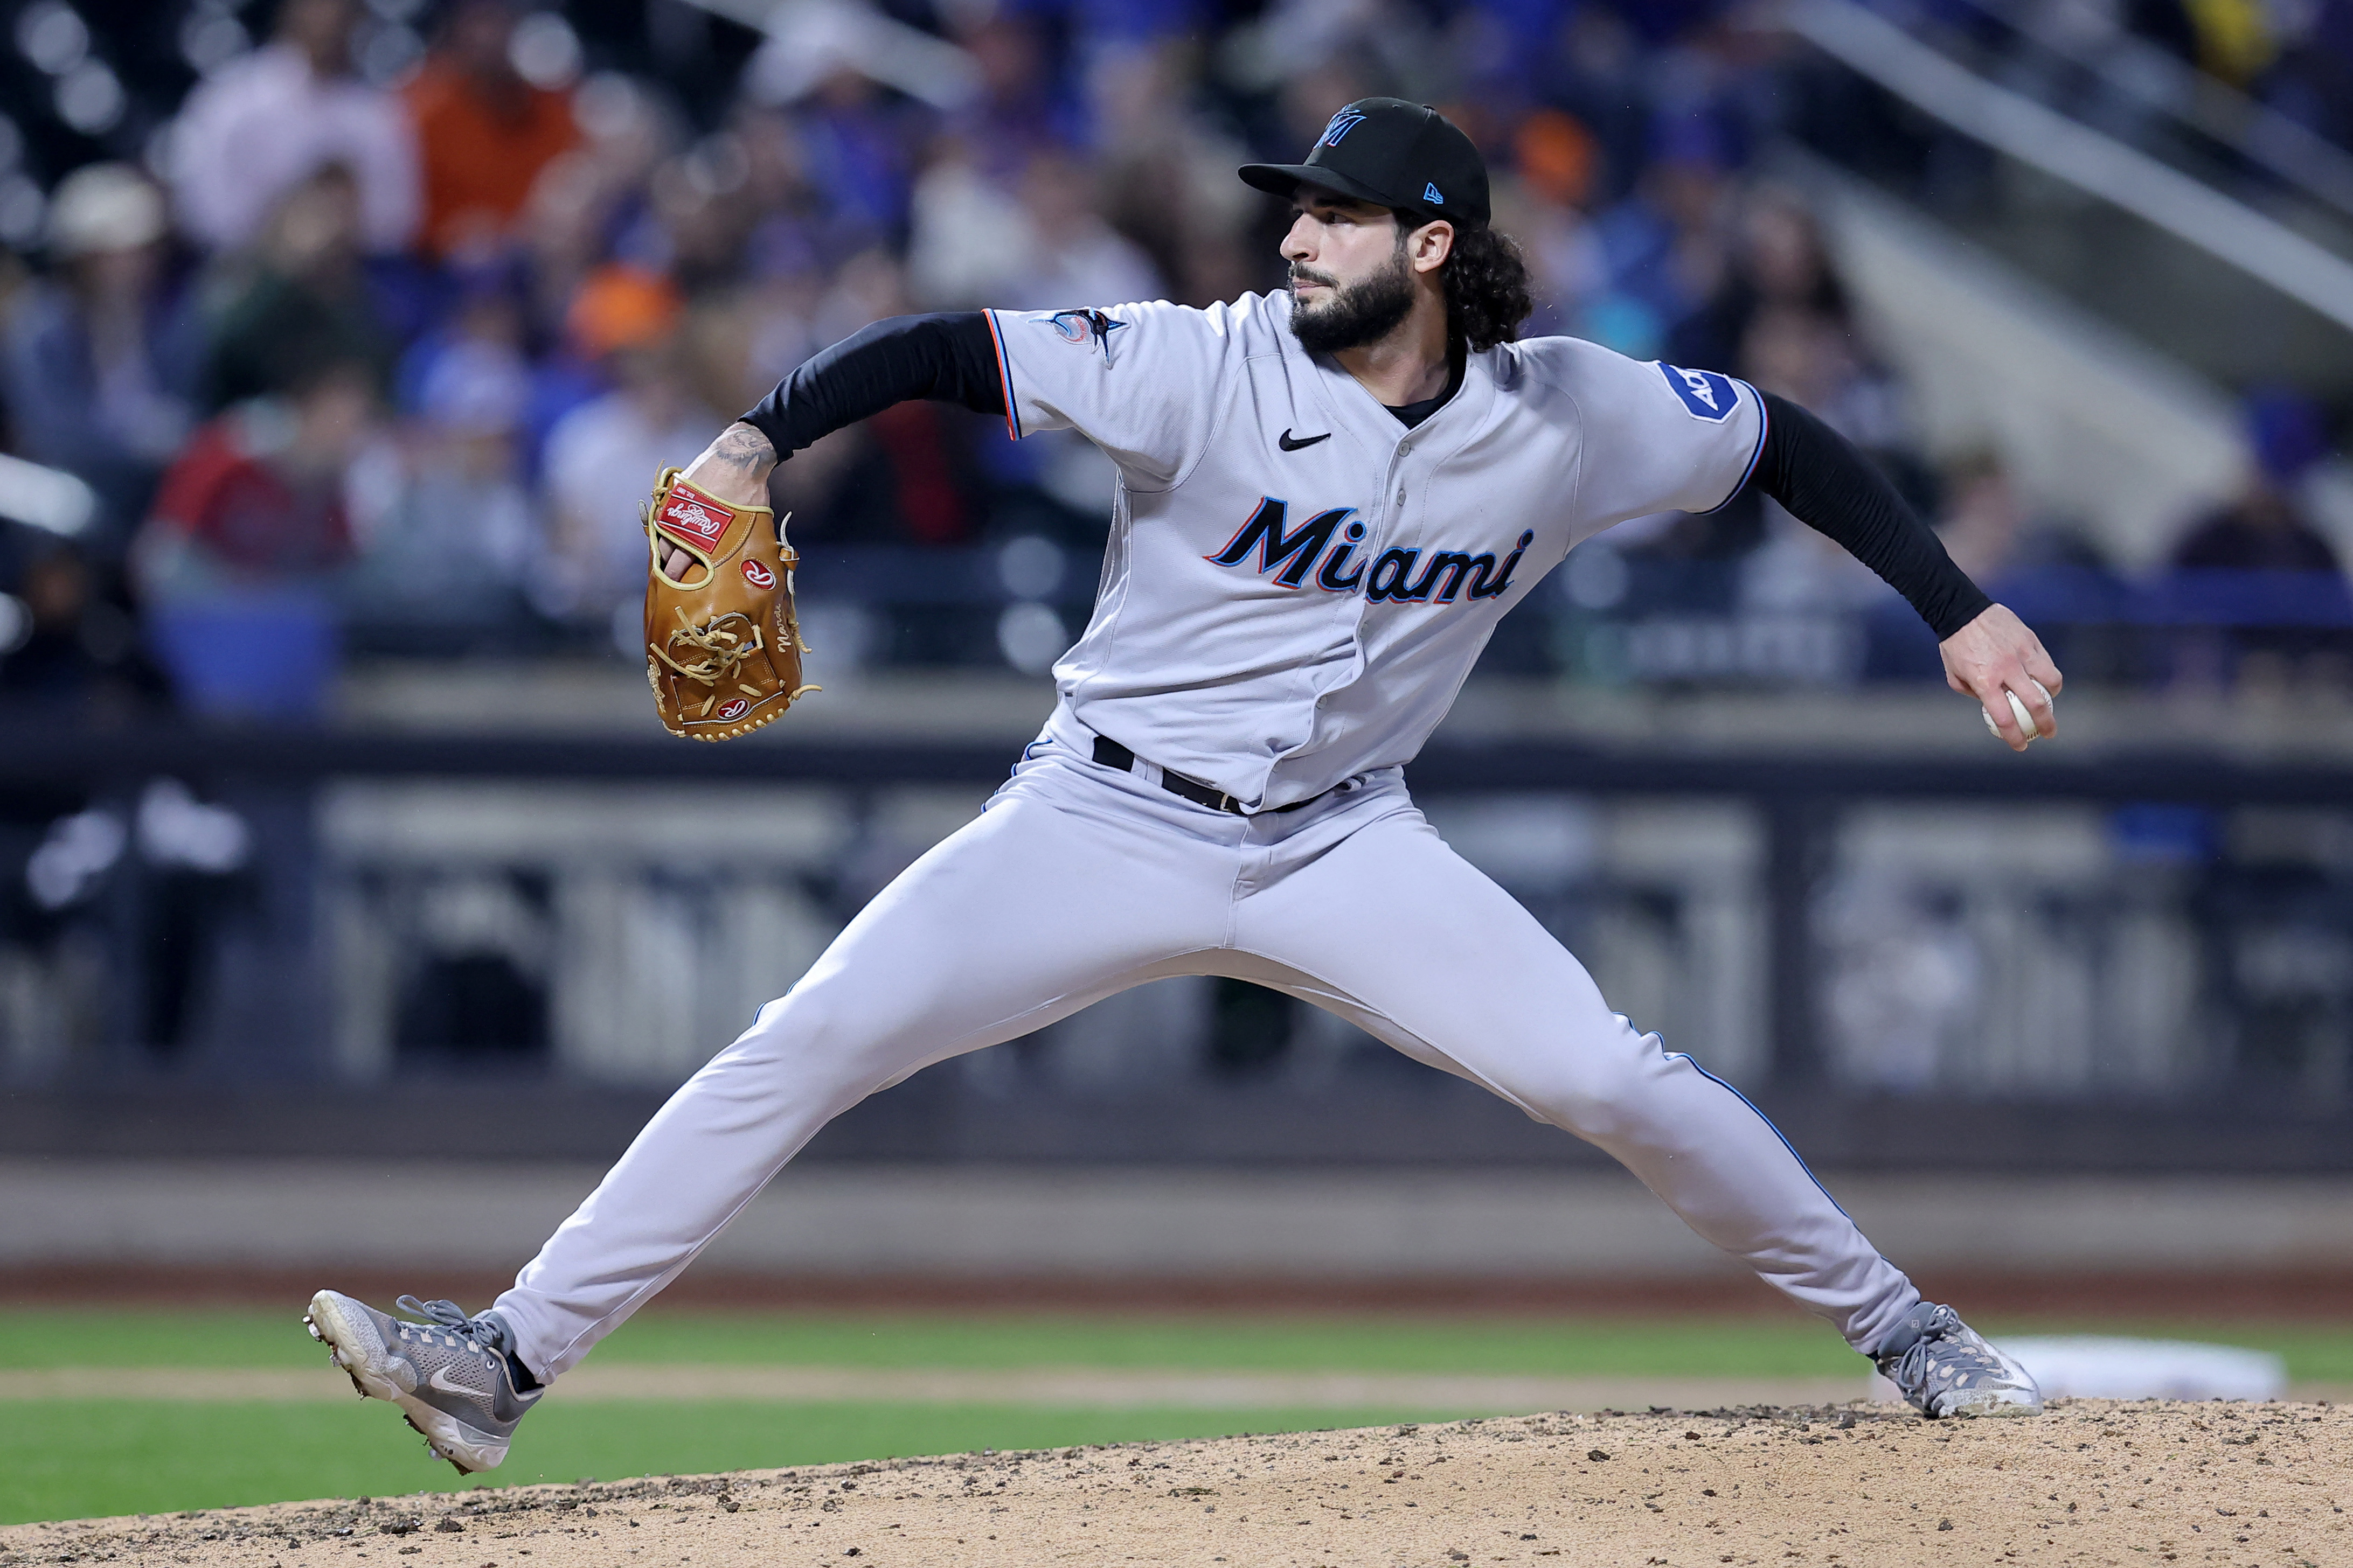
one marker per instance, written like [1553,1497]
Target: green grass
[1599,1346]
[1761,1347]
[78,1460]
[71,1460]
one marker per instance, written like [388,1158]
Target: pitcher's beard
[1363,312]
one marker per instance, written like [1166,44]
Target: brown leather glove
[722,648]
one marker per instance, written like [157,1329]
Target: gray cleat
[450,1377]
[1946,1368]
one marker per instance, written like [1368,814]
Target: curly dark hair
[1487,293]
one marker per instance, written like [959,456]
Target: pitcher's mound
[1857,1486]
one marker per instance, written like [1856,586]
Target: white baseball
[2020,712]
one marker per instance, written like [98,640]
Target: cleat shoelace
[479,1332]
[1945,1358]
[1911,1368]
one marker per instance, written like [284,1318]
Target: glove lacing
[723,653]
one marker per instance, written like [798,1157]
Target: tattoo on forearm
[741,447]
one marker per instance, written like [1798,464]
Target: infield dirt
[2092,1482]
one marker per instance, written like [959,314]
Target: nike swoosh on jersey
[1288,445]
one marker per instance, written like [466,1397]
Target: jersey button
[1400,495]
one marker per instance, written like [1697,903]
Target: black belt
[1109,753]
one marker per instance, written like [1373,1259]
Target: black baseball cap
[1391,154]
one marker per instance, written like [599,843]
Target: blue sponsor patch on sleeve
[1707,394]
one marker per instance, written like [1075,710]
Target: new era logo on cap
[1429,194]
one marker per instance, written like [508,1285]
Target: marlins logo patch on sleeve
[1707,394]
[1079,328]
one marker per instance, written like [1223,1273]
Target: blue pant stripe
[1768,1121]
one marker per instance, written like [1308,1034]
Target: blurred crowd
[367,326]
[2295,58]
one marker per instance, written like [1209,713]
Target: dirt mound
[1858,1486]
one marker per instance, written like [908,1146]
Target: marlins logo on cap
[1347,119]
[1390,153]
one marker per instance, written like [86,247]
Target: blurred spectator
[632,137]
[1167,175]
[98,358]
[1016,113]
[565,226]
[1038,246]
[860,145]
[16,278]
[562,233]
[794,233]
[1545,208]
[447,544]
[1795,571]
[701,216]
[1778,318]
[968,239]
[1079,256]
[79,651]
[1664,244]
[2052,576]
[2312,83]
[903,478]
[1599,73]
[483,134]
[1817,359]
[2234,40]
[1991,534]
[486,306]
[1807,357]
[301,301]
[1781,296]
[256,499]
[2266,530]
[233,565]
[603,456]
[1777,263]
[795,243]
[624,262]
[261,125]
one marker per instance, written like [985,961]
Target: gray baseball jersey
[1297,584]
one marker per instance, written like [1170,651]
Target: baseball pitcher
[1328,497]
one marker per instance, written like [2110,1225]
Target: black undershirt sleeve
[1805,466]
[1826,484]
[946,358]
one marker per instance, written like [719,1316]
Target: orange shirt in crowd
[480,154]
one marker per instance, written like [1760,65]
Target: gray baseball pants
[1079,881]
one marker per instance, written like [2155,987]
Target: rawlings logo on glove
[688,514]
[723,646]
